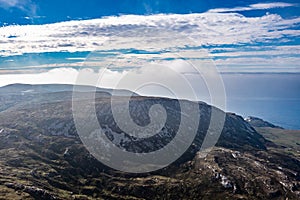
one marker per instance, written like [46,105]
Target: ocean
[272,97]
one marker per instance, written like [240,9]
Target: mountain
[42,156]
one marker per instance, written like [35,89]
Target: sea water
[272,97]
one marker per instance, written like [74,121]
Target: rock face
[42,156]
[257,122]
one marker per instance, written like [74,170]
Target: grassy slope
[288,140]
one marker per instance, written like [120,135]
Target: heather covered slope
[289,140]
[42,156]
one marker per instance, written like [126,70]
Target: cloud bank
[237,43]
[88,35]
[258,6]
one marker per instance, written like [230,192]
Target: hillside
[42,156]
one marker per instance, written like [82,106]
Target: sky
[51,41]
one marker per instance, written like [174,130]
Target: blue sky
[37,36]
[41,11]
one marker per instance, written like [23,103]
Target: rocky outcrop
[257,122]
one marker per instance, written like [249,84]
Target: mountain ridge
[42,156]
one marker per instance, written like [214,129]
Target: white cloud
[26,6]
[271,5]
[168,82]
[134,31]
[259,64]
[61,75]
[9,3]
[258,6]
[290,50]
[160,32]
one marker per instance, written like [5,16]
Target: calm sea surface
[272,97]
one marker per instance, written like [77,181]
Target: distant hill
[20,94]
[49,88]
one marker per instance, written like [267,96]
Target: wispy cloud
[27,6]
[258,6]
[222,32]
[202,29]
[290,50]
